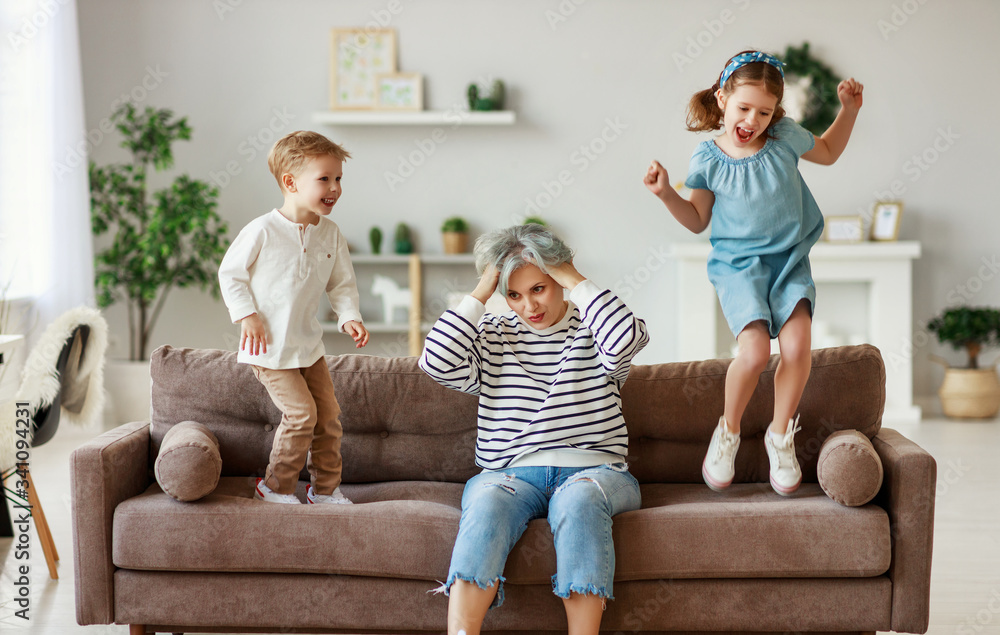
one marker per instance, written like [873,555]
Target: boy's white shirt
[279,269]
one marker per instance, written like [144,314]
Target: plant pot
[128,387]
[970,393]
[455,242]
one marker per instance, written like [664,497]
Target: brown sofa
[746,560]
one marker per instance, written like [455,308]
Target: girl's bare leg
[795,343]
[744,371]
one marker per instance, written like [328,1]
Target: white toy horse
[392,296]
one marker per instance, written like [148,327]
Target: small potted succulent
[534,220]
[486,100]
[403,241]
[972,391]
[375,238]
[455,235]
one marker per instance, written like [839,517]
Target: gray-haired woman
[552,441]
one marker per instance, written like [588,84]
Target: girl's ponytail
[703,112]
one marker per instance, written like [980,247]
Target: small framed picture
[844,229]
[885,220]
[400,91]
[357,56]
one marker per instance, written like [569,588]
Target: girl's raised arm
[831,145]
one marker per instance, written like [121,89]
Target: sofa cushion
[849,469]
[188,465]
[672,409]
[407,530]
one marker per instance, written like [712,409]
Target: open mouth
[743,134]
[329,201]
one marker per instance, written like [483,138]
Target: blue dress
[764,222]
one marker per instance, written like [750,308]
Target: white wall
[926,68]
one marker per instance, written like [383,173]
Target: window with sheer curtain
[46,253]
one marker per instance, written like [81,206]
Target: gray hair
[511,248]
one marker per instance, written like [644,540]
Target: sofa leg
[136,629]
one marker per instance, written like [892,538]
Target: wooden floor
[965,592]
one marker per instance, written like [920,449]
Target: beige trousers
[310,428]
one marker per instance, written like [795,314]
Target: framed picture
[885,220]
[844,229]
[400,91]
[357,56]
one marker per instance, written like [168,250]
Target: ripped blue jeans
[578,503]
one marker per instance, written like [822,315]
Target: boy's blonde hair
[289,154]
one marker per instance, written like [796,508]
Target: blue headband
[748,58]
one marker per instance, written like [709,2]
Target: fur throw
[81,384]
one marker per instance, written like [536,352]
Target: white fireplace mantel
[884,268]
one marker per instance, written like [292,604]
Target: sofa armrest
[907,495]
[104,472]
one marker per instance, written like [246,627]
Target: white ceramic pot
[128,387]
[970,393]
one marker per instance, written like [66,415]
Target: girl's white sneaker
[718,469]
[785,472]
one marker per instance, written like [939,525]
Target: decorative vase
[970,393]
[455,242]
[128,387]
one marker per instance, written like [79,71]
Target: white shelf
[415,118]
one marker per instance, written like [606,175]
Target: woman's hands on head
[566,275]
[487,284]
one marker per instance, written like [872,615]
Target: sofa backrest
[672,409]
[401,425]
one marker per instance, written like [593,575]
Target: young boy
[272,279]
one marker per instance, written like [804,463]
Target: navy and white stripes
[550,389]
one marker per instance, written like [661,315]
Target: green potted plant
[969,392]
[375,238]
[455,235]
[150,243]
[486,100]
[534,220]
[403,241]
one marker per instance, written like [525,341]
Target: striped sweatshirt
[554,391]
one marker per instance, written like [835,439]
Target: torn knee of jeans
[584,479]
[507,488]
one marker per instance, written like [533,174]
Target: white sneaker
[785,472]
[265,493]
[337,498]
[718,468]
